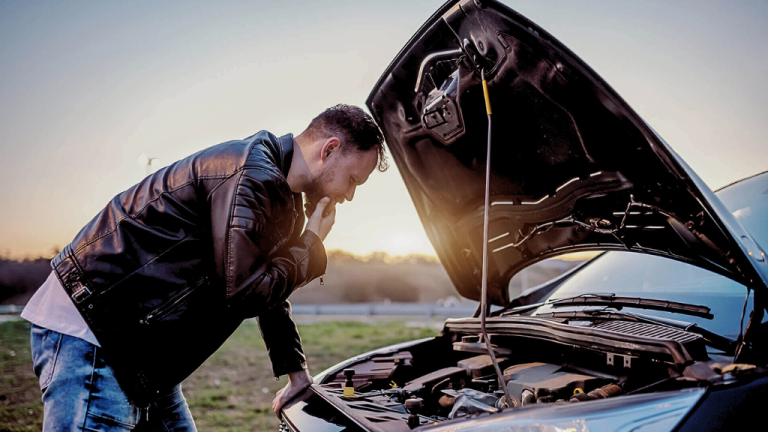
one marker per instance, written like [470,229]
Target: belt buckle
[80,295]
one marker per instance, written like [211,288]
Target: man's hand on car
[320,222]
[297,382]
[322,218]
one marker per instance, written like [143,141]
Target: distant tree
[341,256]
[358,290]
[377,257]
[396,288]
[20,279]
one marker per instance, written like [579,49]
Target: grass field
[232,391]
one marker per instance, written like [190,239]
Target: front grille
[652,331]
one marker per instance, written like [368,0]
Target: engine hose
[600,393]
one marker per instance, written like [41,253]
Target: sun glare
[404,244]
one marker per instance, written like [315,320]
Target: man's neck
[299,173]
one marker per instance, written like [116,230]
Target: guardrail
[10,309]
[367,311]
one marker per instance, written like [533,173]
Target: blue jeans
[80,392]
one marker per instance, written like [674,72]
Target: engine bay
[452,376]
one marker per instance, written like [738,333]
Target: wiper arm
[523,309]
[612,300]
[713,340]
[635,302]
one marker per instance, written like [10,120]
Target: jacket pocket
[174,303]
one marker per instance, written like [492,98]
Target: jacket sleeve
[259,278]
[260,273]
[282,339]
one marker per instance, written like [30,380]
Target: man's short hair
[356,130]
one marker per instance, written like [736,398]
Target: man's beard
[315,190]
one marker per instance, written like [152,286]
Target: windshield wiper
[714,340]
[612,300]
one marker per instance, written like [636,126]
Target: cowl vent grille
[648,330]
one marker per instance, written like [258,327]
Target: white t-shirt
[52,308]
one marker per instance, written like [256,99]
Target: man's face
[339,175]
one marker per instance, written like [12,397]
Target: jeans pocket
[45,345]
[97,423]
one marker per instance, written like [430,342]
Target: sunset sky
[86,87]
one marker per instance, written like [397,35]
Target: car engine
[452,376]
[470,388]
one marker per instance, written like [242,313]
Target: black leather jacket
[171,267]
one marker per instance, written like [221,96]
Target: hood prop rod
[486,222]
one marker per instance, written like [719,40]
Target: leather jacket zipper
[171,304]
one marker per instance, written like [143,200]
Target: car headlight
[648,412]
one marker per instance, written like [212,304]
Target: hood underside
[573,167]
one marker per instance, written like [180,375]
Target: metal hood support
[574,167]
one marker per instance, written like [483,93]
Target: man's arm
[285,352]
[258,283]
[291,355]
[276,324]
[282,339]
[257,279]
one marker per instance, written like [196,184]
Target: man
[161,277]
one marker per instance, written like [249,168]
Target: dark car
[664,330]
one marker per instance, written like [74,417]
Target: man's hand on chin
[322,219]
[297,382]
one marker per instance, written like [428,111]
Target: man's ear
[331,146]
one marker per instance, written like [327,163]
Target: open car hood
[574,168]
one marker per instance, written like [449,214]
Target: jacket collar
[286,152]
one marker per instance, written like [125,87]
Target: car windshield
[629,274]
